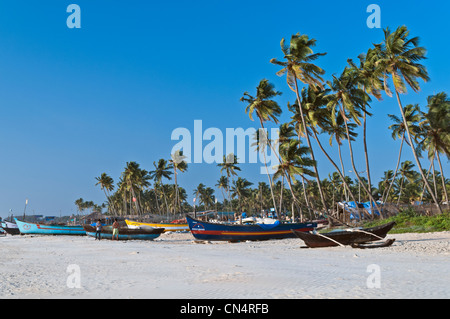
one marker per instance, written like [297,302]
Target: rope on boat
[330,239]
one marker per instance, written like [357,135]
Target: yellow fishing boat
[167,227]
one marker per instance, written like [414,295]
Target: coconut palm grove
[323,105]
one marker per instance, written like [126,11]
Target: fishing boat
[345,237]
[125,233]
[167,227]
[10,228]
[42,229]
[231,232]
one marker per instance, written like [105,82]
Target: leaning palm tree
[399,57]
[266,109]
[318,116]
[107,185]
[298,66]
[369,79]
[347,97]
[412,115]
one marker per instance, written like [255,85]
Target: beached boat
[10,228]
[231,232]
[167,227]
[42,229]
[126,233]
[345,237]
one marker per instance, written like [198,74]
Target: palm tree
[436,131]
[317,115]
[162,170]
[266,110]
[229,165]
[222,184]
[135,180]
[368,77]
[107,185]
[293,163]
[80,205]
[398,57]
[298,66]
[406,171]
[241,190]
[412,115]
[179,164]
[348,97]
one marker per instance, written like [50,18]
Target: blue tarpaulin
[365,205]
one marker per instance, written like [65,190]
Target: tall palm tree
[298,66]
[266,110]
[412,115]
[368,77]
[107,185]
[318,116]
[399,57]
[349,98]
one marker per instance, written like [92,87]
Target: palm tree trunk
[442,178]
[336,167]
[342,165]
[265,164]
[396,169]
[281,194]
[434,175]
[366,153]
[400,194]
[408,134]
[309,145]
[354,168]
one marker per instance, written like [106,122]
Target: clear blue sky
[78,102]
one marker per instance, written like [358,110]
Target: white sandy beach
[174,266]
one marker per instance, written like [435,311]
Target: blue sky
[79,102]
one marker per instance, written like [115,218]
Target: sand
[174,266]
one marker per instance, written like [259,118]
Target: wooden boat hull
[224,232]
[125,233]
[10,228]
[40,229]
[345,237]
[167,227]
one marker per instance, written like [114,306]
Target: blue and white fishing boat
[41,229]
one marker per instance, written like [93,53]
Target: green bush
[409,221]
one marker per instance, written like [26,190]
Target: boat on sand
[43,229]
[167,226]
[351,236]
[126,233]
[231,232]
